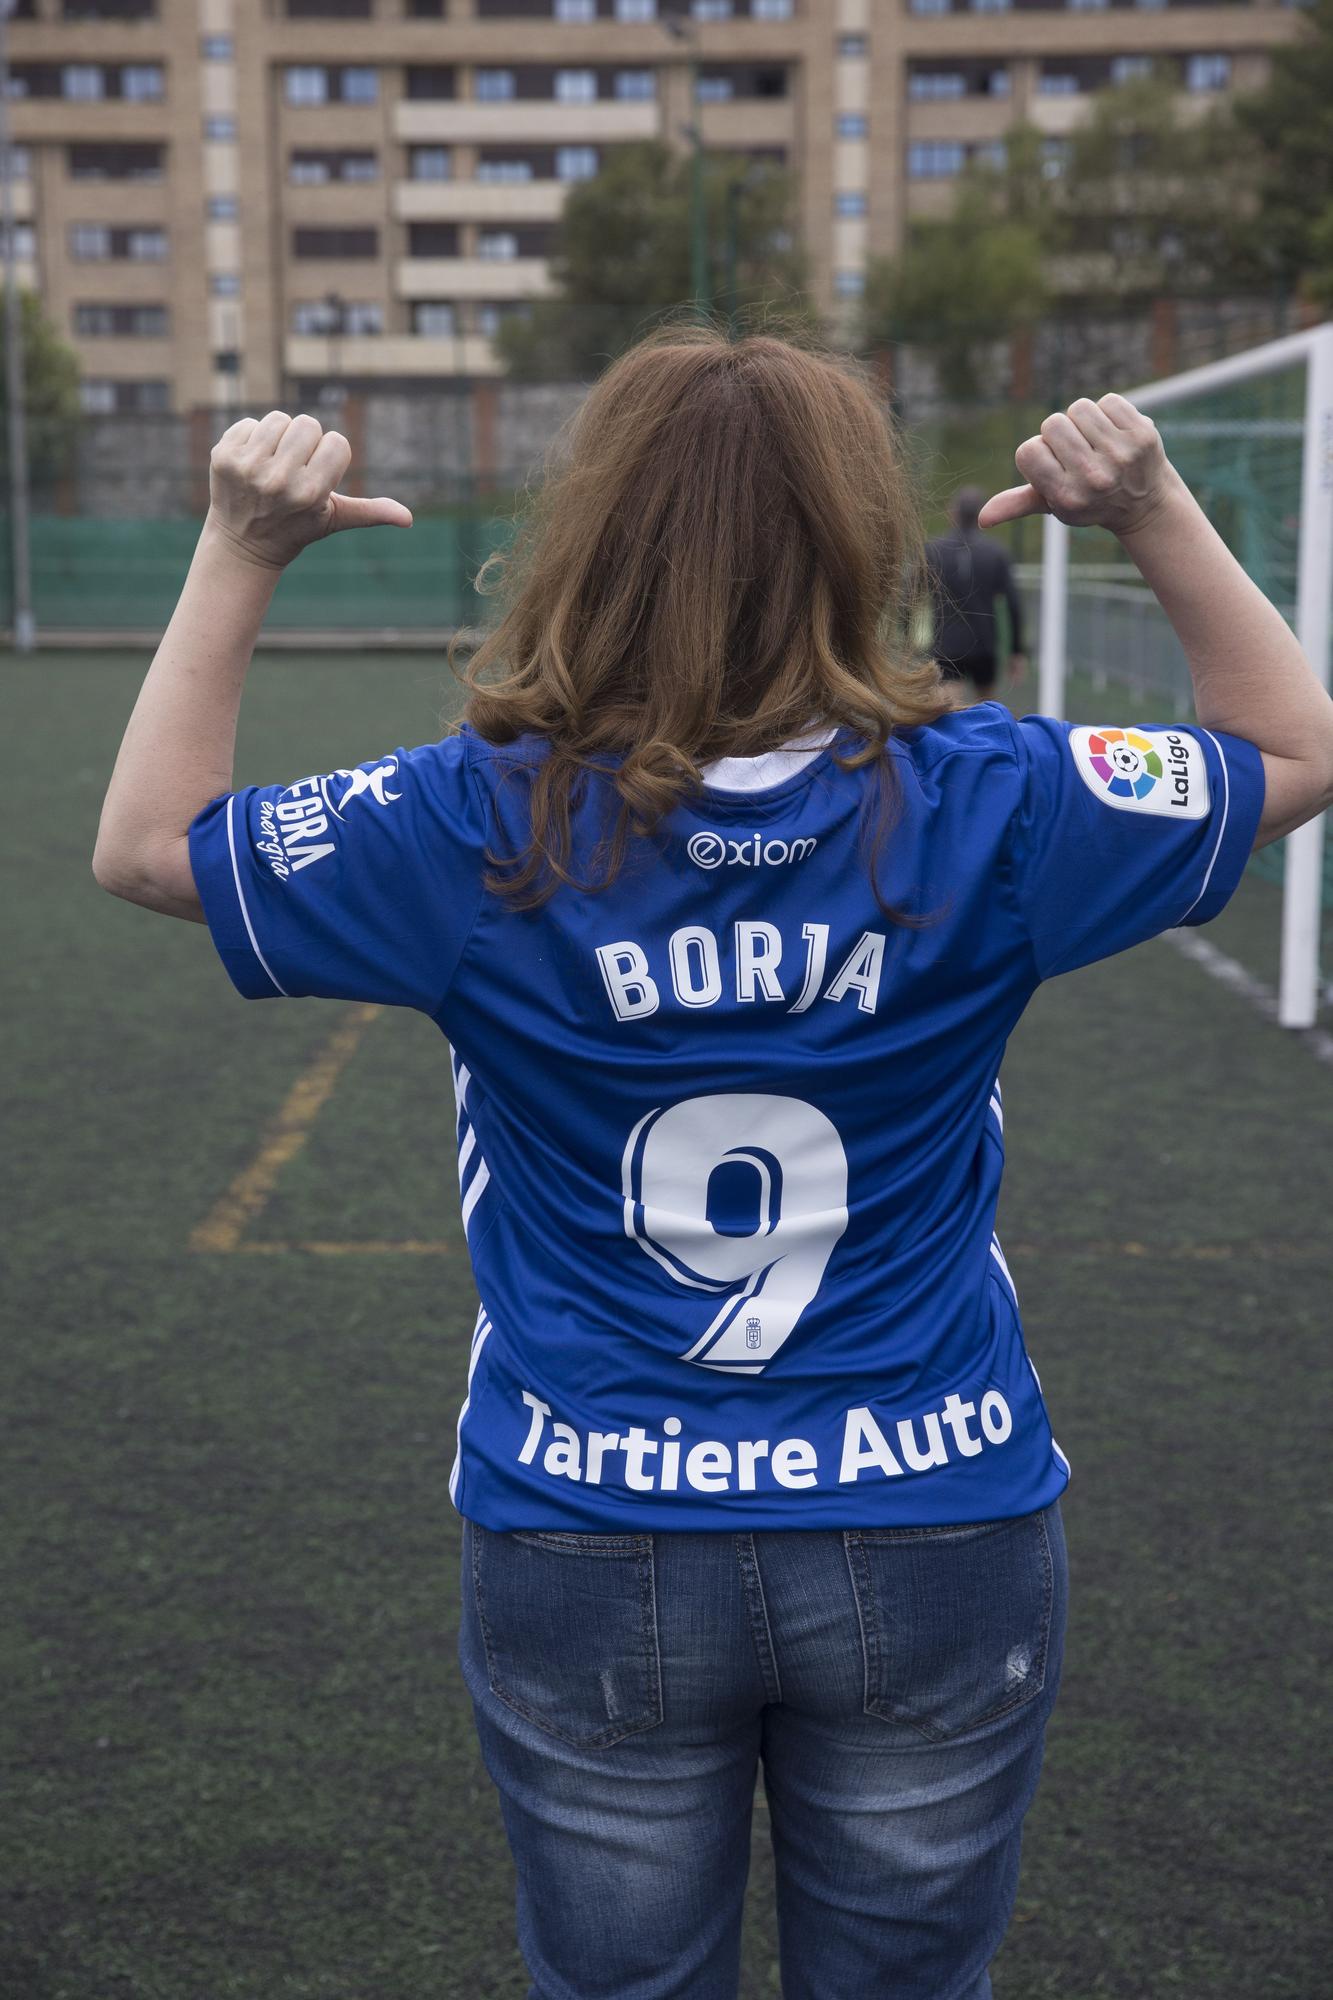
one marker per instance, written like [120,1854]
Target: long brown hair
[729,551]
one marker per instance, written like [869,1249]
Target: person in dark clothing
[967,572]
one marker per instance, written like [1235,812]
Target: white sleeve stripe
[240,897]
[1217,844]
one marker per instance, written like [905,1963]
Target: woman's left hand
[271,487]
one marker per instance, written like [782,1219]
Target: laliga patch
[1143,770]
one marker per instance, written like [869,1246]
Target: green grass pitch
[240,1761]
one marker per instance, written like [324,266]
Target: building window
[849,284]
[934,84]
[135,322]
[434,319]
[335,243]
[425,10]
[771,10]
[1087,6]
[20,164]
[115,161]
[493,86]
[715,89]
[104,399]
[223,208]
[362,316]
[306,85]
[934,159]
[226,361]
[636,10]
[998,83]
[92,242]
[634,86]
[576,86]
[575,163]
[575,10]
[429,163]
[1207,72]
[82,82]
[219,128]
[850,202]
[317,169]
[990,6]
[851,125]
[313,316]
[1054,158]
[931,6]
[217,48]
[430,82]
[711,10]
[504,170]
[1127,69]
[1152,6]
[359,86]
[141,82]
[432,239]
[991,153]
[500,244]
[1057,83]
[95,10]
[89,241]
[224,284]
[853,45]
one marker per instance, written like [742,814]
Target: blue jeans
[895,1683]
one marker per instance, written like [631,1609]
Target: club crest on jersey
[1160,771]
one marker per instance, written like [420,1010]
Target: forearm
[1251,677]
[180,742]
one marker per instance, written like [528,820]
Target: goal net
[1253,438]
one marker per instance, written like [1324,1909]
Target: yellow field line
[222,1227]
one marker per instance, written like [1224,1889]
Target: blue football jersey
[729,1137]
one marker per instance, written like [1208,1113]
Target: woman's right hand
[1096,465]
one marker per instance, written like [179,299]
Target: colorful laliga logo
[1125,762]
[1143,770]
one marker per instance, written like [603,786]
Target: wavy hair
[727,549]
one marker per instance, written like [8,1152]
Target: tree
[973,277]
[1151,201]
[622,257]
[1290,120]
[50,391]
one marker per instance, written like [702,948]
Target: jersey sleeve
[1122,833]
[355,885]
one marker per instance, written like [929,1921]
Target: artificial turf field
[240,1761]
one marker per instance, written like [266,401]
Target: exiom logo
[715,850]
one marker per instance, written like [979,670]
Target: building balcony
[472,277]
[389,355]
[479,201]
[539,121]
[748,121]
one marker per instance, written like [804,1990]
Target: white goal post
[1298,995]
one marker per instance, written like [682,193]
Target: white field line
[1262,998]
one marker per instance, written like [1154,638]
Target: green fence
[122,576]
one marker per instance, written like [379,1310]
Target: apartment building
[237,201]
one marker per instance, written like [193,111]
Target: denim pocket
[955,1622]
[569,1626]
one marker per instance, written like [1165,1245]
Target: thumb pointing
[349,511]
[1011,505]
